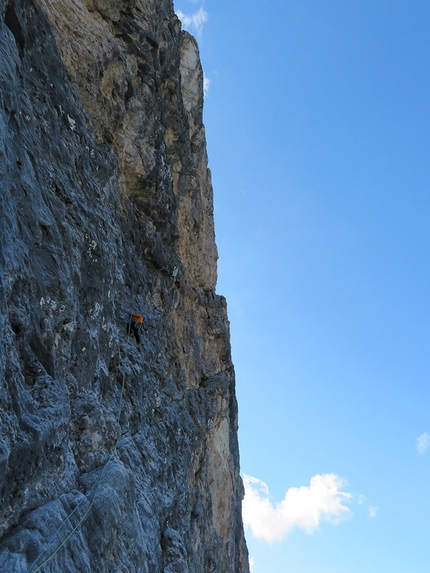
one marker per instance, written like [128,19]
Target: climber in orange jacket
[134,325]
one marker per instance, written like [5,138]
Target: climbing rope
[95,488]
[86,497]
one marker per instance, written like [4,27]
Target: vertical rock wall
[106,209]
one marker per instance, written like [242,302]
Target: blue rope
[87,496]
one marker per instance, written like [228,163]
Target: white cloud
[194,21]
[251,564]
[302,507]
[373,511]
[423,442]
[206,84]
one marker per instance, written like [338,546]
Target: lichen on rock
[107,209]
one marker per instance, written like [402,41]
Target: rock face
[114,457]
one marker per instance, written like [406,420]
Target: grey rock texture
[106,209]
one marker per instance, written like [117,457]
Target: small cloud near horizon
[373,511]
[302,507]
[423,442]
[193,22]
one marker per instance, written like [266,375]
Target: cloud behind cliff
[193,22]
[302,507]
[206,84]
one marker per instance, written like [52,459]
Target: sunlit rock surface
[106,209]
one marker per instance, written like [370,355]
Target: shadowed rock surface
[106,209]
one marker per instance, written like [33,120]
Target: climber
[134,325]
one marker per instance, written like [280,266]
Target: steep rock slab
[107,209]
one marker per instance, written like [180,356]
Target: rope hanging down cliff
[94,489]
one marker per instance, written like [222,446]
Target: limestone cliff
[106,209]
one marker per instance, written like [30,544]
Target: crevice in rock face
[12,22]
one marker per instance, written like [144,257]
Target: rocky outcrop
[113,456]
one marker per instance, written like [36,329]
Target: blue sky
[318,125]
